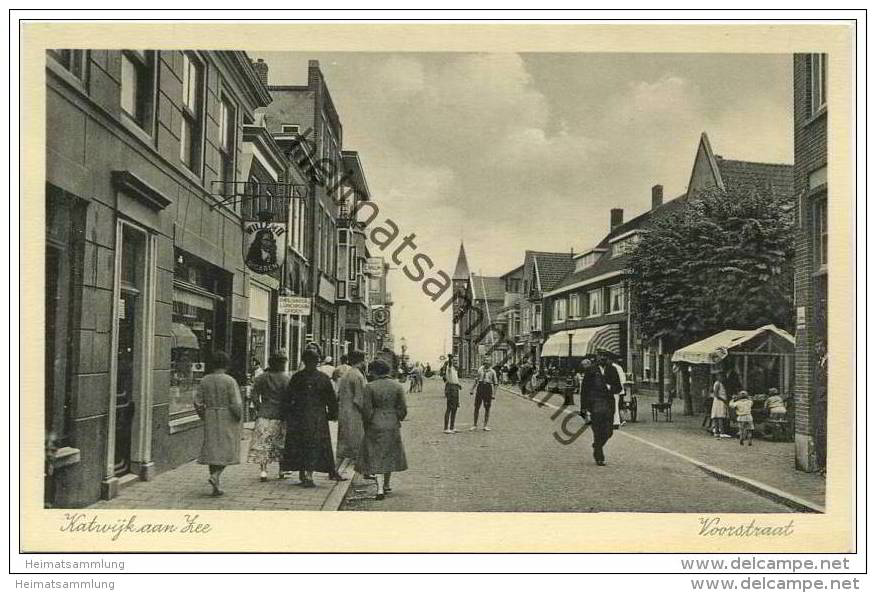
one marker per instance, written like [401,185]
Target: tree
[723,260]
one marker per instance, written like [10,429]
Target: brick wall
[810,153]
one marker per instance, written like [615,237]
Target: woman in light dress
[269,433]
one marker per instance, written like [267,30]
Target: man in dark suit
[597,403]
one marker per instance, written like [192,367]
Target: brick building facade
[144,265]
[810,185]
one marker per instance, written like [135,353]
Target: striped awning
[585,340]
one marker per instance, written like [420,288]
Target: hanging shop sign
[374,267]
[380,316]
[264,245]
[291,305]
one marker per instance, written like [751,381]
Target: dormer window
[585,260]
[623,244]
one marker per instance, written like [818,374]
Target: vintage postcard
[438,287]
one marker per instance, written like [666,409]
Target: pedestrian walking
[524,372]
[309,404]
[743,404]
[341,369]
[597,405]
[383,407]
[217,402]
[351,389]
[329,370]
[720,409]
[450,375]
[618,390]
[484,390]
[269,432]
[419,371]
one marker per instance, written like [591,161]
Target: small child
[775,404]
[743,404]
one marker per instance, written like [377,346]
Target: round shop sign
[380,316]
[264,246]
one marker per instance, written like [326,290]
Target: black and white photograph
[479,281]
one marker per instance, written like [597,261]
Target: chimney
[656,196]
[617,217]
[261,70]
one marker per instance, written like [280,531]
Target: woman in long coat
[383,408]
[309,404]
[351,389]
[218,403]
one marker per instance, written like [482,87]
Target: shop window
[65,234]
[191,130]
[137,84]
[647,374]
[198,327]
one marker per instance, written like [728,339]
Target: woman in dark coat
[383,408]
[309,404]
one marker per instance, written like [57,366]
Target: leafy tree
[723,260]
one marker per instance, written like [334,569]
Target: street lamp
[570,377]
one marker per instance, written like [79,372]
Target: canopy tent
[183,337]
[759,358]
[716,348]
[585,340]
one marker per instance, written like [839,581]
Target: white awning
[183,337]
[585,340]
[715,348]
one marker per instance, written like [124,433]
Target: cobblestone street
[520,466]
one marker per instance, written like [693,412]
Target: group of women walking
[293,415]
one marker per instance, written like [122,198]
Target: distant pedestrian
[617,388]
[351,390]
[217,402]
[309,403]
[269,433]
[341,369]
[526,370]
[450,375]
[743,404]
[329,370]
[484,391]
[720,409]
[383,407]
[597,407]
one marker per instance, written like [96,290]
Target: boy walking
[484,390]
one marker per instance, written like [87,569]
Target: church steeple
[461,272]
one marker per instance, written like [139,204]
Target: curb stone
[789,500]
[340,490]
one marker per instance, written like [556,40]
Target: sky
[509,152]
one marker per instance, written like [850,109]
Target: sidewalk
[186,487]
[767,467]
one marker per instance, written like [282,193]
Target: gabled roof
[710,169]
[727,174]
[488,288]
[549,267]
[767,178]
[461,272]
